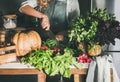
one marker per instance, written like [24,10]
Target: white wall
[116,56]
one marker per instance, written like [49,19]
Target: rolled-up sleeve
[32,3]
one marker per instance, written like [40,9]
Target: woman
[54,14]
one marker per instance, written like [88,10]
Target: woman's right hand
[32,12]
[45,22]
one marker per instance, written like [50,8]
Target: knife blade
[51,34]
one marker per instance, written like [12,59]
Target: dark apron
[56,11]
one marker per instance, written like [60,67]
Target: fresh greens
[50,43]
[50,63]
[95,28]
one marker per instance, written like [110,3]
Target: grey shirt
[63,13]
[72,5]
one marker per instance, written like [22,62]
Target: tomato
[44,47]
[56,49]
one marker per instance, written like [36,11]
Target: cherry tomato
[56,49]
[44,47]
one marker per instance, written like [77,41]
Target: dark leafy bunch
[108,27]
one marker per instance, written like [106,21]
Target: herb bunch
[95,27]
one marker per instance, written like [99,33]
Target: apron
[56,11]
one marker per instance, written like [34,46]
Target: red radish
[84,58]
[89,60]
[81,61]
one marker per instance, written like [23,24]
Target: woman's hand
[32,12]
[45,22]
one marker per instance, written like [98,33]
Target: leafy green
[50,43]
[52,65]
[95,27]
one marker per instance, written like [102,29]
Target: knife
[51,34]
